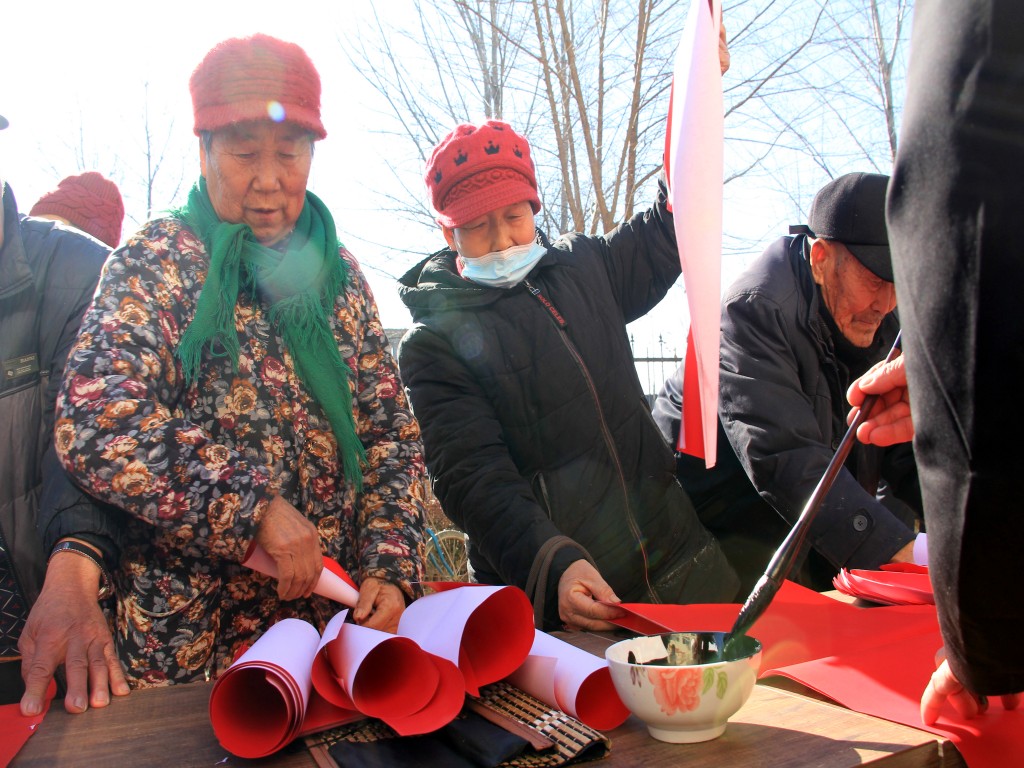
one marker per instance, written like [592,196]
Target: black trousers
[956,227]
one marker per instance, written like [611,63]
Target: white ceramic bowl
[681,684]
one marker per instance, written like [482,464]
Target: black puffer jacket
[783,406]
[535,425]
[47,277]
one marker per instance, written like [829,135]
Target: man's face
[494,231]
[256,172]
[856,298]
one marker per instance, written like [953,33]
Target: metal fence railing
[655,359]
[655,362]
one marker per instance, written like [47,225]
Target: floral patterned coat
[195,466]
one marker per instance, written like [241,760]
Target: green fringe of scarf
[300,284]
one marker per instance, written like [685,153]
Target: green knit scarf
[300,284]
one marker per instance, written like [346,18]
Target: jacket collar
[434,284]
[15,273]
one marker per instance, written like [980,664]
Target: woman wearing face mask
[536,432]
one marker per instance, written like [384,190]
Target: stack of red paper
[903,584]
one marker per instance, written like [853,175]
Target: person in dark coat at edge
[47,276]
[954,219]
[536,432]
[809,316]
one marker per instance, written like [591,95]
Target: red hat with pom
[90,202]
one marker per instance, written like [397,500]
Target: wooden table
[171,727]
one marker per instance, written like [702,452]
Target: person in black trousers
[954,212]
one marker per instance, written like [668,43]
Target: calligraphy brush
[784,558]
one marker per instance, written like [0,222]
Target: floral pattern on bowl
[661,679]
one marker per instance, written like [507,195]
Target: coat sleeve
[771,424]
[390,518]
[475,478]
[68,286]
[119,431]
[641,258]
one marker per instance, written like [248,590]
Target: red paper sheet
[873,660]
[887,681]
[799,625]
[15,729]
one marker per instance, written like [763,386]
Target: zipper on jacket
[546,303]
[561,325]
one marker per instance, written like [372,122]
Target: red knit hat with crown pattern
[476,169]
[256,78]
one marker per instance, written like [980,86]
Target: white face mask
[502,269]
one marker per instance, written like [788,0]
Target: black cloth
[748,528]
[47,277]
[783,406]
[469,741]
[535,424]
[955,226]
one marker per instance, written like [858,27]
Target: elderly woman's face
[256,173]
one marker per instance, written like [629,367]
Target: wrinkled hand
[723,50]
[293,542]
[944,686]
[579,589]
[380,605]
[889,420]
[66,626]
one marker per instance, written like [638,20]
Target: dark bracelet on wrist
[106,585]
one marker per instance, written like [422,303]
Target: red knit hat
[476,169]
[90,202]
[256,78]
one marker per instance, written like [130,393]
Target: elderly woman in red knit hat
[538,438]
[232,386]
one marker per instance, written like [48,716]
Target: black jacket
[535,425]
[47,277]
[783,406]
[728,505]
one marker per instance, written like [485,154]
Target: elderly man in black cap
[813,313]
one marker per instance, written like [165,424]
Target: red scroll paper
[293,682]
[487,631]
[334,583]
[572,680]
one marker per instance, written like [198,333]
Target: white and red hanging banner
[694,168]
